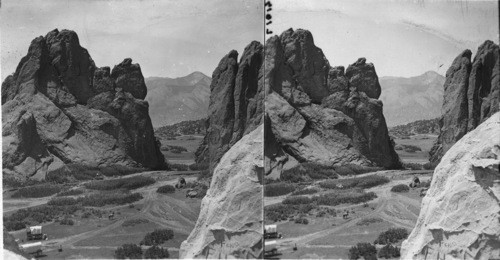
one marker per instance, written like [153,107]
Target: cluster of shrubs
[368,221]
[278,212]
[360,182]
[297,200]
[79,172]
[278,189]
[307,172]
[37,191]
[302,220]
[353,169]
[133,251]
[129,183]
[305,191]
[412,166]
[369,251]
[341,197]
[67,221]
[198,166]
[35,215]
[71,192]
[17,183]
[179,167]
[177,149]
[108,198]
[133,222]
[157,237]
[204,174]
[166,189]
[400,188]
[392,235]
[365,250]
[430,166]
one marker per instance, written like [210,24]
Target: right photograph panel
[382,130]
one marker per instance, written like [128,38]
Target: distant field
[190,142]
[425,143]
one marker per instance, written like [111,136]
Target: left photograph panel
[132,129]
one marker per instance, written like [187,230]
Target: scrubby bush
[341,196]
[308,171]
[156,252]
[198,166]
[412,166]
[278,189]
[37,191]
[279,212]
[177,149]
[157,237]
[430,166]
[302,220]
[107,198]
[368,221]
[14,182]
[67,221]
[71,192]
[133,222]
[37,215]
[305,191]
[204,174]
[62,201]
[129,183]
[425,184]
[354,169]
[179,167]
[411,148]
[75,171]
[360,182]
[166,189]
[366,250]
[389,251]
[400,188]
[392,235]
[296,200]
[128,251]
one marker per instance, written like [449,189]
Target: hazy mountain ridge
[410,99]
[173,100]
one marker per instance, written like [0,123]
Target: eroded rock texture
[230,221]
[236,102]
[471,95]
[460,215]
[59,108]
[318,113]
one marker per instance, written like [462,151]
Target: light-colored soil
[331,237]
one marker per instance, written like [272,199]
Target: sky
[401,38]
[168,38]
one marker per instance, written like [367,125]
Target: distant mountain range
[172,100]
[428,126]
[410,99]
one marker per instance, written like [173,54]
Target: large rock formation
[318,113]
[471,95]
[236,102]
[230,221]
[460,214]
[59,108]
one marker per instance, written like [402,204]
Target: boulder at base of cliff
[230,221]
[460,213]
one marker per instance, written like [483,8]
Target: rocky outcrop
[236,103]
[459,217]
[230,220]
[318,113]
[471,95]
[59,108]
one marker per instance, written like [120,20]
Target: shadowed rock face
[236,103]
[59,108]
[460,212]
[230,220]
[318,113]
[471,95]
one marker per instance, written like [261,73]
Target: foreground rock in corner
[460,214]
[230,221]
